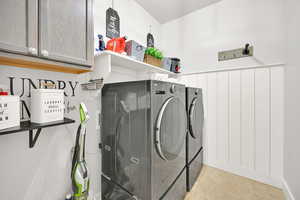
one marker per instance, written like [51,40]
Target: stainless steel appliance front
[143,140]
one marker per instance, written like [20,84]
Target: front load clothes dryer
[143,136]
[194,156]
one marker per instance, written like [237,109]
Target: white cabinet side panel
[235,117]
[211,118]
[262,121]
[277,121]
[247,119]
[222,117]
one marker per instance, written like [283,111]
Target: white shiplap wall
[244,121]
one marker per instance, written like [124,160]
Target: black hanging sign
[150,40]
[112,23]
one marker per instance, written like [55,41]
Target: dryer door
[170,129]
[196,118]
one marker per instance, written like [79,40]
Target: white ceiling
[167,10]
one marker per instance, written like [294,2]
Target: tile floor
[214,184]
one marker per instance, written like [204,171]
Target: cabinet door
[66,31]
[19,26]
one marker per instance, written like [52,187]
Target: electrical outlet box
[235,54]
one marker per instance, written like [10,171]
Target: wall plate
[234,54]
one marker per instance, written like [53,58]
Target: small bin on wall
[47,105]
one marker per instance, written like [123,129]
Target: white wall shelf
[105,61]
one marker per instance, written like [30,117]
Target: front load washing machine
[143,136]
[194,156]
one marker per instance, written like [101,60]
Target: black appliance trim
[172,184]
[120,186]
[196,155]
[188,189]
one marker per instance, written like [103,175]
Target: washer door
[170,129]
[196,118]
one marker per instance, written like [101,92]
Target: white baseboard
[287,192]
[249,174]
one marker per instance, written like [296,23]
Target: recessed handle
[45,53]
[32,51]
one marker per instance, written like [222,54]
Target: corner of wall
[287,191]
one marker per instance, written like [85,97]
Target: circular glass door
[196,118]
[170,129]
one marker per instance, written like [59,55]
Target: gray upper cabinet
[19,26]
[66,31]
[52,35]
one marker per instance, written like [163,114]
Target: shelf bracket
[33,139]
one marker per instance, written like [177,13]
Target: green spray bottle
[79,174]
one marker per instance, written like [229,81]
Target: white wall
[244,121]
[135,21]
[292,99]
[244,108]
[226,25]
[44,171]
